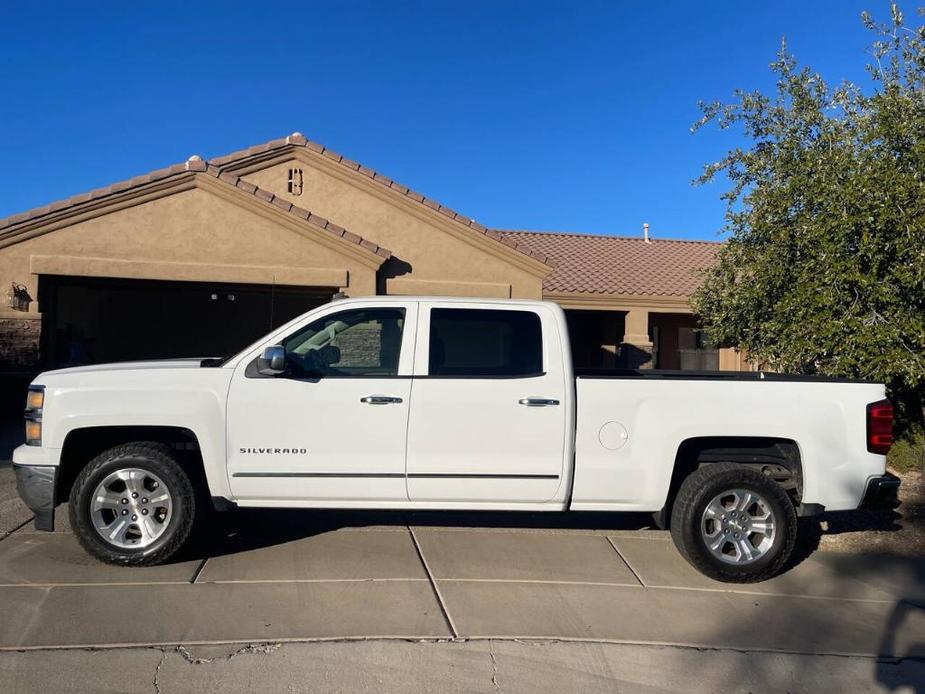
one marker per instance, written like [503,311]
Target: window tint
[482,342]
[362,342]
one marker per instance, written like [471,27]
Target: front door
[489,410]
[333,426]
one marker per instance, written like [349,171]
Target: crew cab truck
[440,403]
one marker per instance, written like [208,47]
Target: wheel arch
[779,458]
[83,444]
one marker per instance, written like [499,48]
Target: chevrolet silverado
[442,403]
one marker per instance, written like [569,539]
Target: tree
[824,268]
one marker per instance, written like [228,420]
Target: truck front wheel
[733,523]
[133,505]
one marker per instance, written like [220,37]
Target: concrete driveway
[572,582]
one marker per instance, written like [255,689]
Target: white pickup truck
[437,403]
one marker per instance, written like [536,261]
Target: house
[202,257]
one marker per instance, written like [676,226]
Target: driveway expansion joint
[625,561]
[19,527]
[198,572]
[433,585]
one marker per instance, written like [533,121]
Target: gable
[431,253]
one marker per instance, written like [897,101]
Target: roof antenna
[645,232]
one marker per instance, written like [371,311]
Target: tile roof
[592,264]
[195,165]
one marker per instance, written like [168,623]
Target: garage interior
[89,320]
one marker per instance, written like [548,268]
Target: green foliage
[908,452]
[824,268]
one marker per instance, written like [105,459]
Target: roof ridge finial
[195,163]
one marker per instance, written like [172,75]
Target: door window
[355,343]
[485,343]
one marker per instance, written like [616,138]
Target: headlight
[35,404]
[33,433]
[35,400]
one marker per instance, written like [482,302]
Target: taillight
[880,427]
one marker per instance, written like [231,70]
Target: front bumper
[882,492]
[36,487]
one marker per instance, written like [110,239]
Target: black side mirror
[273,361]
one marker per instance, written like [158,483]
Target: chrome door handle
[538,402]
[380,400]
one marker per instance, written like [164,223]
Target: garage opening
[94,320]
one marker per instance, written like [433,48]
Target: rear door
[489,408]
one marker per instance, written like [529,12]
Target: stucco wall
[169,233]
[439,262]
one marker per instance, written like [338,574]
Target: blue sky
[531,115]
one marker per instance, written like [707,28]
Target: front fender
[186,399]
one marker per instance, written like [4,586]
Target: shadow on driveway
[242,530]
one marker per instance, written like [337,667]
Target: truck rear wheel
[733,524]
[133,505]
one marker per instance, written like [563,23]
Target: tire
[118,529]
[725,488]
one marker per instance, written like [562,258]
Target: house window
[295,181]
[695,351]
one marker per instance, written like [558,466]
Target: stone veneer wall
[19,343]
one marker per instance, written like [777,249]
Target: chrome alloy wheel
[131,508]
[738,526]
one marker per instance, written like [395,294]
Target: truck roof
[449,299]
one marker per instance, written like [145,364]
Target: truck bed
[675,374]
[631,425]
